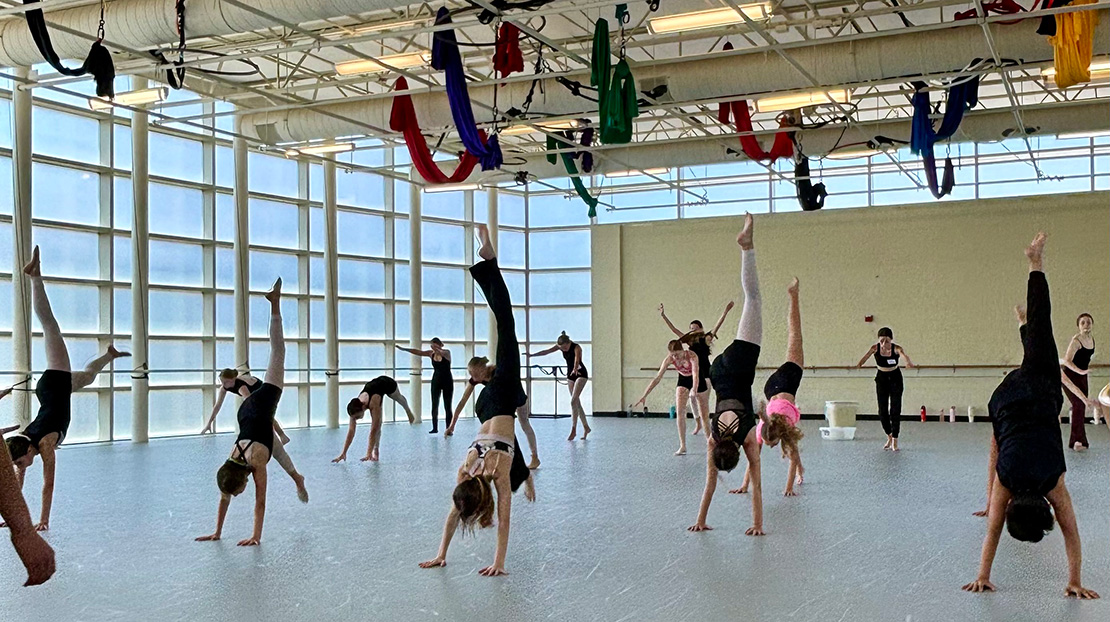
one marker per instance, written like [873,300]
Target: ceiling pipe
[833,62]
[978,126]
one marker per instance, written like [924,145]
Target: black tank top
[569,357]
[701,348]
[441,368]
[240,383]
[886,361]
[1082,358]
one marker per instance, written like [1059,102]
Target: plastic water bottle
[952,414]
[923,417]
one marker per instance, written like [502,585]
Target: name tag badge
[891,362]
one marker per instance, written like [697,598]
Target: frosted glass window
[361,320]
[266,267]
[175,313]
[401,248]
[176,263]
[443,284]
[68,253]
[402,326]
[361,234]
[76,307]
[225,268]
[260,320]
[316,276]
[361,360]
[402,283]
[272,175]
[442,243]
[555,211]
[225,218]
[176,412]
[559,249]
[444,204]
[316,233]
[225,167]
[63,135]
[176,211]
[510,209]
[510,249]
[176,354]
[6,187]
[360,190]
[361,278]
[65,194]
[121,147]
[444,322]
[176,158]
[225,315]
[559,288]
[544,322]
[121,254]
[122,206]
[274,224]
[121,312]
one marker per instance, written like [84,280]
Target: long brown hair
[778,428]
[473,498]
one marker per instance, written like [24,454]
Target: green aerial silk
[568,163]
[601,65]
[620,107]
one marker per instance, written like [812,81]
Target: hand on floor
[755,531]
[980,585]
[1080,592]
[699,527]
[492,571]
[739,491]
[438,562]
[249,542]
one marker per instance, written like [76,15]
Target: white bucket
[838,434]
[841,414]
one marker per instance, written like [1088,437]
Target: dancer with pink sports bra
[686,363]
[783,415]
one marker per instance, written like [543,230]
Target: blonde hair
[778,428]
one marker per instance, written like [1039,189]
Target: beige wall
[945,276]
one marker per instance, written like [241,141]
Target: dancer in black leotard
[33,551]
[888,383]
[241,384]
[43,435]
[255,443]
[443,382]
[577,376]
[1026,453]
[1076,364]
[495,455]
[371,399]
[732,425]
[700,343]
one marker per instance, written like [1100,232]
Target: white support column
[242,250]
[21,243]
[491,220]
[140,269]
[331,292]
[416,303]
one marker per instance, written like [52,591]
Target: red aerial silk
[507,57]
[402,118]
[783,146]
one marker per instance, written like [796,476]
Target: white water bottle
[952,414]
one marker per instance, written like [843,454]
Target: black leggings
[888,388]
[504,391]
[446,388]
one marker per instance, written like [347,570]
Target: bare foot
[681,451]
[1019,312]
[374,455]
[799,480]
[586,431]
[889,442]
[284,438]
[1035,250]
[486,250]
[744,239]
[573,434]
[535,463]
[302,492]
[274,295]
[793,289]
[33,267]
[114,353]
[697,426]
[894,445]
[1078,447]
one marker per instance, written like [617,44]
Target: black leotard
[1082,358]
[504,392]
[382,385]
[700,347]
[256,416]
[53,391]
[886,361]
[240,383]
[442,368]
[572,372]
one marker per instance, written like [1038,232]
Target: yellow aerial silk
[1072,45]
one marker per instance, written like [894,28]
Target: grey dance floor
[874,536]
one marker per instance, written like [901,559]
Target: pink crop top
[779,407]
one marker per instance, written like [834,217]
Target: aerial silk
[998,7]
[1072,45]
[402,118]
[446,57]
[507,57]
[98,62]
[783,147]
[620,106]
[572,170]
[810,196]
[961,97]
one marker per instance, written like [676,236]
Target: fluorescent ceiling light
[320,149]
[793,101]
[451,187]
[852,153]
[1100,71]
[518,130]
[131,98]
[398,61]
[698,20]
[646,171]
[383,26]
[1093,134]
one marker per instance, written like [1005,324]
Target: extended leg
[275,369]
[399,397]
[448,389]
[895,408]
[436,391]
[57,357]
[286,463]
[794,352]
[85,377]
[576,404]
[681,395]
[522,414]
[751,318]
[1041,355]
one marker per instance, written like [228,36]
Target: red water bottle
[923,413]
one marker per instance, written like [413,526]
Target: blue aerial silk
[961,98]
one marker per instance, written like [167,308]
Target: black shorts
[687,382]
[382,385]
[786,379]
[733,372]
[581,373]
